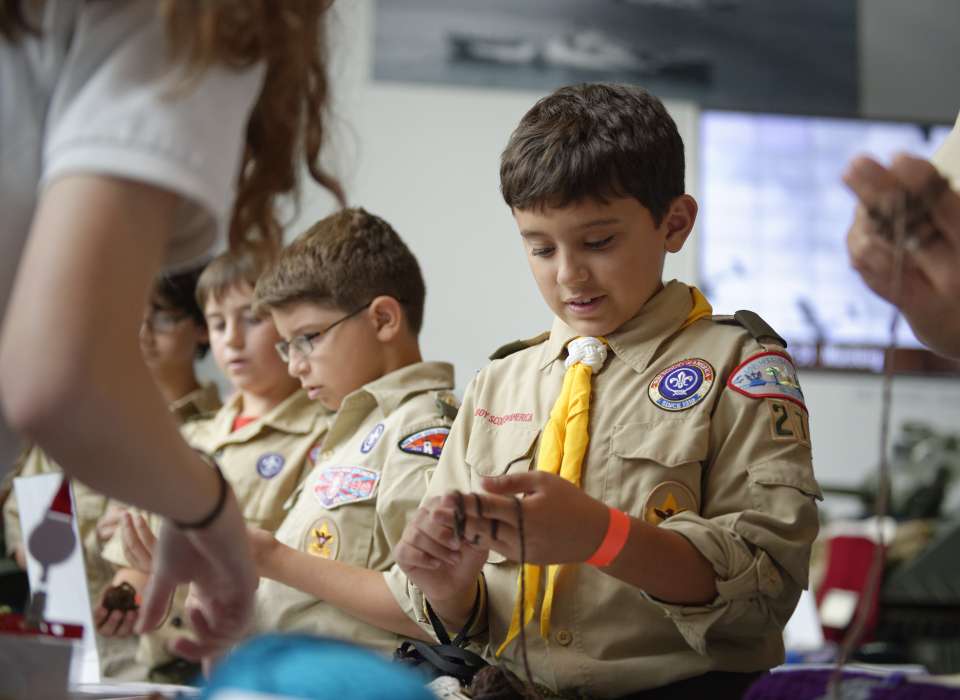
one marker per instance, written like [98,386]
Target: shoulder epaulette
[751,322]
[447,404]
[518,345]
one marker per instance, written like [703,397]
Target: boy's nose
[571,271]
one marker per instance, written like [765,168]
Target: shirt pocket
[656,467]
[778,488]
[495,451]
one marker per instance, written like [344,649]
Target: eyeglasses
[304,344]
[162,320]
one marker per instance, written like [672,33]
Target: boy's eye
[596,245]
[251,319]
[541,252]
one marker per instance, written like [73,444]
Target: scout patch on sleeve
[270,464]
[767,375]
[666,500]
[322,539]
[682,384]
[373,437]
[789,422]
[425,442]
[336,486]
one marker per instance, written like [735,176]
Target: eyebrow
[580,227]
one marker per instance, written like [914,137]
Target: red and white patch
[425,442]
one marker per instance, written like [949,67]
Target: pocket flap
[670,442]
[492,450]
[791,474]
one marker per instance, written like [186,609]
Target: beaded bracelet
[205,521]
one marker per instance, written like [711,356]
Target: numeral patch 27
[789,422]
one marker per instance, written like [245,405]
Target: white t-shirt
[96,94]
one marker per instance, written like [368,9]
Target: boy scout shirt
[730,471]
[372,472]
[264,462]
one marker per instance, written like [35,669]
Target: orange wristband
[617,531]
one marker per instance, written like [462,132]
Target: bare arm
[72,379]
[360,592]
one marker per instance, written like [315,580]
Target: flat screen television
[772,229]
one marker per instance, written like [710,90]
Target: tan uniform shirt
[115,654]
[728,469]
[373,471]
[264,461]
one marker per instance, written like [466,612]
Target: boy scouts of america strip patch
[425,442]
[338,485]
[767,375]
[682,384]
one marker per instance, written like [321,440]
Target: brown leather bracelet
[205,521]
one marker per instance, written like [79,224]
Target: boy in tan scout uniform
[173,335]
[669,504]
[347,296]
[263,438]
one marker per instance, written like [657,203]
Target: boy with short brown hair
[662,453]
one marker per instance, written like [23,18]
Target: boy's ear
[386,314]
[678,222]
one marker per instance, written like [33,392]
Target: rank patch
[767,375]
[270,464]
[426,442]
[373,437]
[666,500]
[682,384]
[789,422]
[322,539]
[338,485]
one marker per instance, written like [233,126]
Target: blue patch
[767,375]
[270,464]
[682,384]
[372,438]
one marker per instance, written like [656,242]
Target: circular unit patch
[270,464]
[666,500]
[682,385]
[322,539]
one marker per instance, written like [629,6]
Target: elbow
[36,397]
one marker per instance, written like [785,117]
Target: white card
[68,599]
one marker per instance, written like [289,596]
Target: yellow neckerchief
[562,447]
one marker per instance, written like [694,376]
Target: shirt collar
[392,389]
[637,339]
[295,414]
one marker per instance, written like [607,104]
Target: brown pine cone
[122,597]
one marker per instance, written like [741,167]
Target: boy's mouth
[584,304]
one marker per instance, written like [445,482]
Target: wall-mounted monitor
[772,228]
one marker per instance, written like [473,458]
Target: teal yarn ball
[302,667]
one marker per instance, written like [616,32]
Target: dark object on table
[496,683]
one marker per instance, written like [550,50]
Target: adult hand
[109,522]
[930,281]
[138,541]
[217,563]
[561,523]
[437,562]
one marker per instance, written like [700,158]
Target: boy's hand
[109,522]
[138,541]
[439,564]
[930,281]
[113,623]
[561,523]
[263,544]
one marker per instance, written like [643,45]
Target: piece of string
[851,640]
